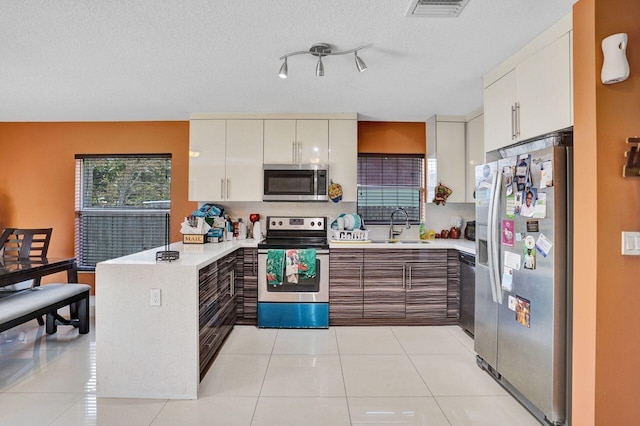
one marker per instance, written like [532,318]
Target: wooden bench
[22,306]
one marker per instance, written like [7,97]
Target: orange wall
[37,171]
[606,348]
[377,137]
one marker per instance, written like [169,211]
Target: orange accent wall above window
[391,137]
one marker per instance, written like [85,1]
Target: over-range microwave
[295,182]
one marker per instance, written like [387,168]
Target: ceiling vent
[435,8]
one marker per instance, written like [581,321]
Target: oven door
[313,290]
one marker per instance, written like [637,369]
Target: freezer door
[486,309]
[531,356]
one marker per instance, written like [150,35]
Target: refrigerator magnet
[529,242]
[511,206]
[533,226]
[540,207]
[546,174]
[529,258]
[543,245]
[507,232]
[512,260]
[507,279]
[512,303]
[523,311]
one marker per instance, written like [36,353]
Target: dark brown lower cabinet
[346,286]
[248,262]
[427,288]
[217,307]
[397,286]
[385,284]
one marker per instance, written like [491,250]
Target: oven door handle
[319,252]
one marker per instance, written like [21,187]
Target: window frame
[156,215]
[421,188]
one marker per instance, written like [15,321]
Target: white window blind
[121,205]
[386,182]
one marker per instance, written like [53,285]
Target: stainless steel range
[293,273]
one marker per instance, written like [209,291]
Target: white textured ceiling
[107,60]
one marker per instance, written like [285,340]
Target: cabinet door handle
[410,279]
[517,119]
[293,152]
[228,192]
[404,276]
[232,284]
[254,264]
[360,268]
[299,153]
[222,189]
[513,122]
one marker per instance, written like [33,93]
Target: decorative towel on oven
[300,264]
[275,267]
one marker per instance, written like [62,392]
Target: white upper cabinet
[531,93]
[225,160]
[446,157]
[474,153]
[499,113]
[244,160]
[280,142]
[296,141]
[207,141]
[343,157]
[544,90]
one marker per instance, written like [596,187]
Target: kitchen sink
[401,241]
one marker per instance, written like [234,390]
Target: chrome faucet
[393,233]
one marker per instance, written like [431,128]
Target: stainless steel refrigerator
[523,272]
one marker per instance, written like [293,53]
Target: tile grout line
[275,339]
[344,382]
[422,378]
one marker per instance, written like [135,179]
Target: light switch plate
[631,243]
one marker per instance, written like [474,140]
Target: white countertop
[197,255]
[460,244]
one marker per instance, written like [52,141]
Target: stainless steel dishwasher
[467,265]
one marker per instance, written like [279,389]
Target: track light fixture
[320,50]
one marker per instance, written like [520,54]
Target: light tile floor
[340,376]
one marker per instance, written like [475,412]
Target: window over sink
[386,182]
[121,205]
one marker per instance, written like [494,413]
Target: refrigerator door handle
[495,237]
[490,241]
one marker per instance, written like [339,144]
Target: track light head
[360,63]
[284,70]
[320,68]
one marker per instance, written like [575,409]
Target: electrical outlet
[155,297]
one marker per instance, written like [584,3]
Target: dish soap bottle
[423,231]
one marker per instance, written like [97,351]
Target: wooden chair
[24,244]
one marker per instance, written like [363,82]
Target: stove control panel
[281,223]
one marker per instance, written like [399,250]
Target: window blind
[386,182]
[121,204]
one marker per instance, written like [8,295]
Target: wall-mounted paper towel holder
[615,67]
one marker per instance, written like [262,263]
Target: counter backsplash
[437,217]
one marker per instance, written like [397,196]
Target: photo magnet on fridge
[533,226]
[528,207]
[523,311]
[529,258]
[507,232]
